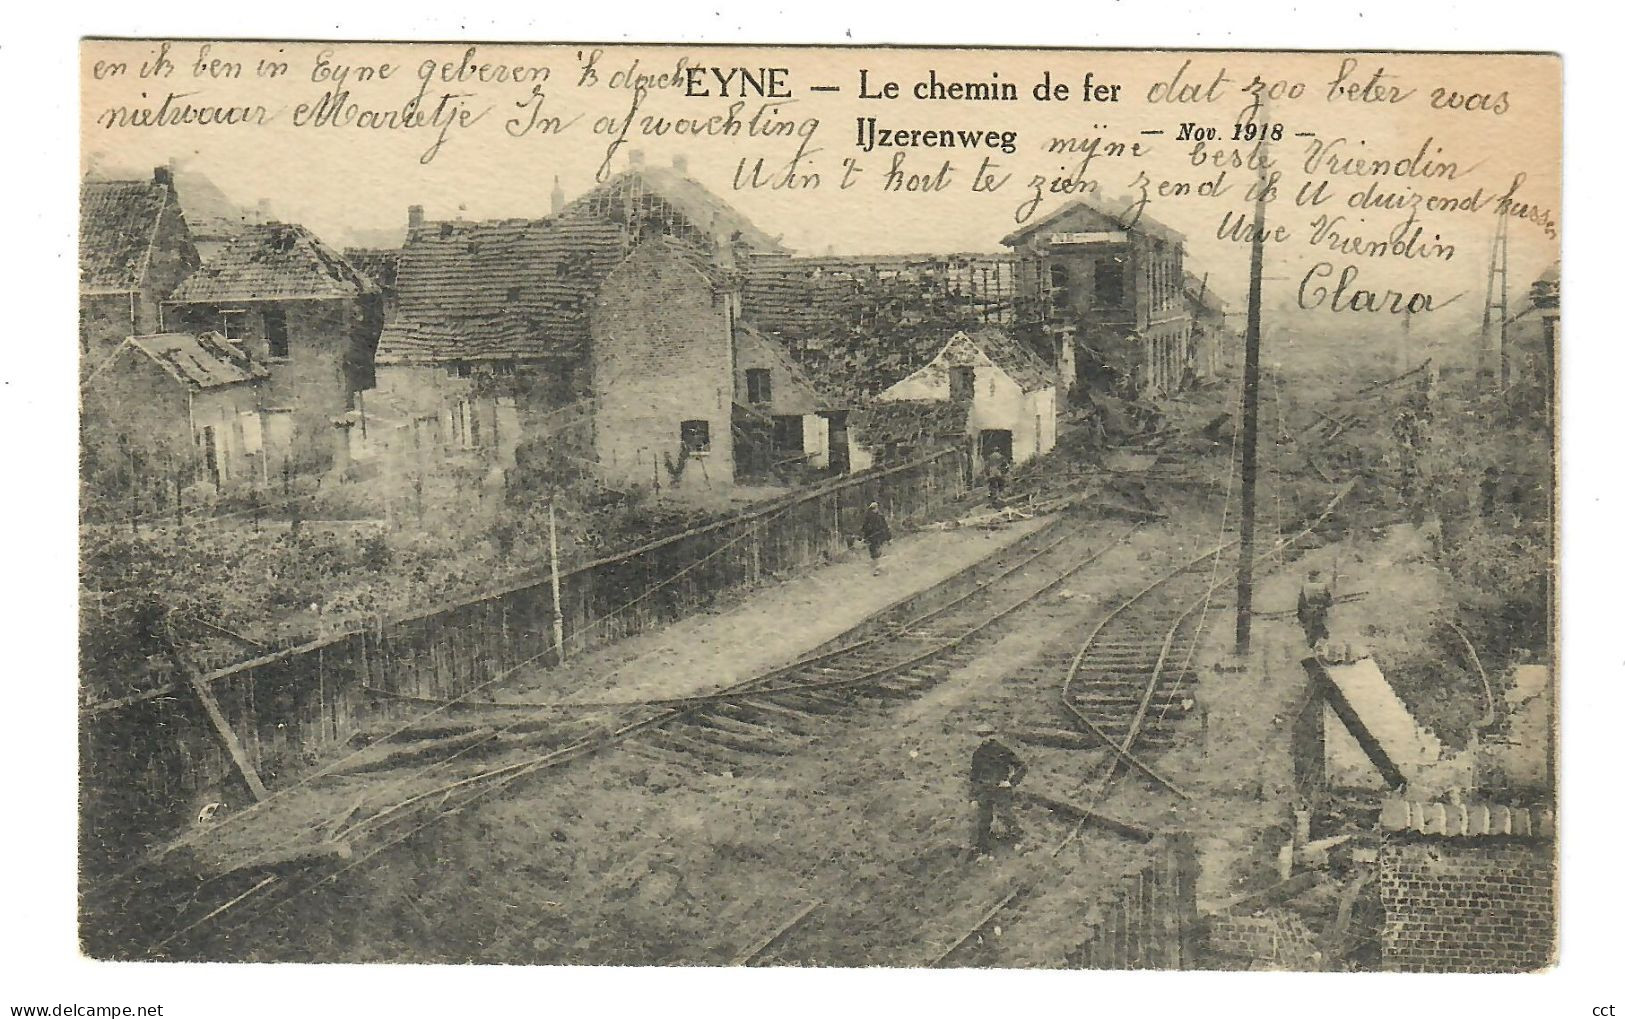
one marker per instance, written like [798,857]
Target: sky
[351,183]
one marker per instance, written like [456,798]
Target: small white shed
[1011,392]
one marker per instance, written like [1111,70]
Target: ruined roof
[118,223]
[1202,295]
[273,261]
[199,361]
[513,288]
[908,422]
[1011,356]
[378,264]
[860,324]
[522,288]
[805,296]
[1131,216]
[627,195]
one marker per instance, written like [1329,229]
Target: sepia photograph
[604,504]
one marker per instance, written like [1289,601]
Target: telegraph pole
[1249,383]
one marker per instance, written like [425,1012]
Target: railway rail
[731,730]
[1132,674]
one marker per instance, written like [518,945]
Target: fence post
[133,486]
[553,575]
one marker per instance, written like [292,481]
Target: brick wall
[1466,905]
[662,354]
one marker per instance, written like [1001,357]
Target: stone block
[1500,820]
[1396,815]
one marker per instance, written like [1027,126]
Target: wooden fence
[1150,923]
[147,761]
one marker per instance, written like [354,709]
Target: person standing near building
[995,771]
[1314,608]
[876,533]
[997,471]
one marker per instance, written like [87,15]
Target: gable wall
[662,353]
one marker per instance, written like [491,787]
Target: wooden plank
[748,956]
[1074,812]
[222,728]
[986,919]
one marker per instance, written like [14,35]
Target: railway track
[728,731]
[777,715]
[1130,681]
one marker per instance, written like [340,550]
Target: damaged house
[296,306]
[783,420]
[134,248]
[1115,283]
[565,330]
[1464,846]
[1004,393]
[180,408]
[487,339]
[880,331]
[684,383]
[1210,337]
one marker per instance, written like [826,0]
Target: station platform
[767,627]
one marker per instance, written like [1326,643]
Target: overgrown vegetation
[336,558]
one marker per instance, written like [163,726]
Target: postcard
[713,505]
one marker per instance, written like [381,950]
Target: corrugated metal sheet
[201,361]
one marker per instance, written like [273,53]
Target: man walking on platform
[876,532]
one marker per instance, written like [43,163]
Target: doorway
[211,456]
[994,440]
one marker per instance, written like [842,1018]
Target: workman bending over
[995,771]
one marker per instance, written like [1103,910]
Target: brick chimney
[414,217]
[679,163]
[556,200]
[163,175]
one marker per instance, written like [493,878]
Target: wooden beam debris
[754,952]
[1073,812]
[217,718]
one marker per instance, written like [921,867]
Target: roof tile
[118,220]
[273,261]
